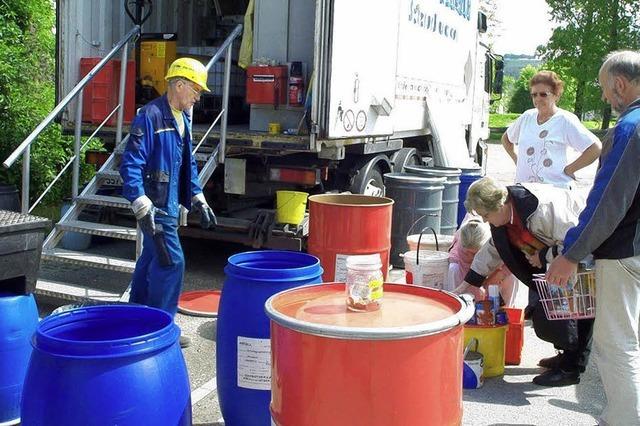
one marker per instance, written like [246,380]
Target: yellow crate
[155,58]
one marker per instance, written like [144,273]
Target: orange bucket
[331,366]
[515,336]
[341,225]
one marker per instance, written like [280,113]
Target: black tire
[369,184]
[405,157]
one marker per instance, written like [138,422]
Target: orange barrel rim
[341,225]
[465,313]
[379,375]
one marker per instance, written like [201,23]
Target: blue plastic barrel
[468,176]
[243,348]
[18,322]
[107,365]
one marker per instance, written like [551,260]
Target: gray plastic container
[449,220]
[417,198]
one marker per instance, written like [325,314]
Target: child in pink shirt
[473,233]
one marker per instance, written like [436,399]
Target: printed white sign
[254,363]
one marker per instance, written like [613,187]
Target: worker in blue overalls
[159,174]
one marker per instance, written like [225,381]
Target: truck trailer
[384,84]
[312,96]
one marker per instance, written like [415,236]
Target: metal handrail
[226,49]
[227,43]
[206,134]
[72,159]
[76,92]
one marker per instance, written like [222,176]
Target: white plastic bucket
[426,268]
[428,242]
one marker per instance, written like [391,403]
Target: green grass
[502,120]
[592,125]
[494,136]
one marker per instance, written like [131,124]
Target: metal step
[202,157]
[102,229]
[103,200]
[73,293]
[110,177]
[86,259]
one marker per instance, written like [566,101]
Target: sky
[525,25]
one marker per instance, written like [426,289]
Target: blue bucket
[111,364]
[243,348]
[18,322]
[467,177]
[76,241]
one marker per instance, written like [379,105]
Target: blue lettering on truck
[430,22]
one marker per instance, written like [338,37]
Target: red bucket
[398,366]
[341,225]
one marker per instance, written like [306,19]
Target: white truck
[393,82]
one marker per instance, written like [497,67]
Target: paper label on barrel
[341,267]
[430,280]
[254,363]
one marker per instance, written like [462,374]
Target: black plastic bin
[21,238]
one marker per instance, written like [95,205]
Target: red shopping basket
[575,301]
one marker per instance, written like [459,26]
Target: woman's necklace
[543,118]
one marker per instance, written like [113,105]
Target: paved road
[508,400]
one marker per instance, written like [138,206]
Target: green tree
[520,99]
[588,30]
[27,94]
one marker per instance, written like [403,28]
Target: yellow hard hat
[191,69]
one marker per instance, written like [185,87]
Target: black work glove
[207,217]
[148,222]
[145,213]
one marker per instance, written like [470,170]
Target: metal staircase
[107,175]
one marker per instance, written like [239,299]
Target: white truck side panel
[363,67]
[436,55]
[399,54]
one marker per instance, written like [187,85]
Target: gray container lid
[475,170]
[433,171]
[14,222]
[414,179]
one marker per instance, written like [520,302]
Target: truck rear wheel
[405,157]
[370,184]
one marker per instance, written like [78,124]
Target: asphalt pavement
[508,400]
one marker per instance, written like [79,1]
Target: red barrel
[342,225]
[398,366]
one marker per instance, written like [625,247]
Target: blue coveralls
[158,163]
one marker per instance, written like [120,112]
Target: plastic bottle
[494,297]
[296,84]
[364,283]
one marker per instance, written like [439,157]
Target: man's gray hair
[624,63]
[174,80]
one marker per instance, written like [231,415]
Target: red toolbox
[267,85]
[100,96]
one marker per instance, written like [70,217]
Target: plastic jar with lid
[364,283]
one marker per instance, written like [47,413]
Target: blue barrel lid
[274,265]
[106,331]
